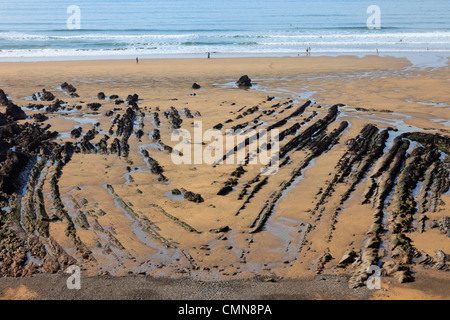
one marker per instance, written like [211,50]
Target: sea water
[42,30]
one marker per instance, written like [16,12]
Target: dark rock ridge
[12,166]
[430,140]
[18,145]
[174,118]
[155,167]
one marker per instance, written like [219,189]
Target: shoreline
[417,58]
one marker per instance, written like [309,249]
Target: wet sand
[130,225]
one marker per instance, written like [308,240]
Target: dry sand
[293,240]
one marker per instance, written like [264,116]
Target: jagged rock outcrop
[39,117]
[15,112]
[70,89]
[193,197]
[444,225]
[44,96]
[244,81]
[94,106]
[76,133]
[10,170]
[3,98]
[101,96]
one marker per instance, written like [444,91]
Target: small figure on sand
[209,55]
[137,60]
[307,51]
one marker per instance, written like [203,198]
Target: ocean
[162,28]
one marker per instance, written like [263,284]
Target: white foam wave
[149,44]
[16,36]
[366,34]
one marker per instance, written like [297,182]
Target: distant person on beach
[209,55]
[307,51]
[137,60]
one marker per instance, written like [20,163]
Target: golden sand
[393,94]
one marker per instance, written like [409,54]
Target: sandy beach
[363,179]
